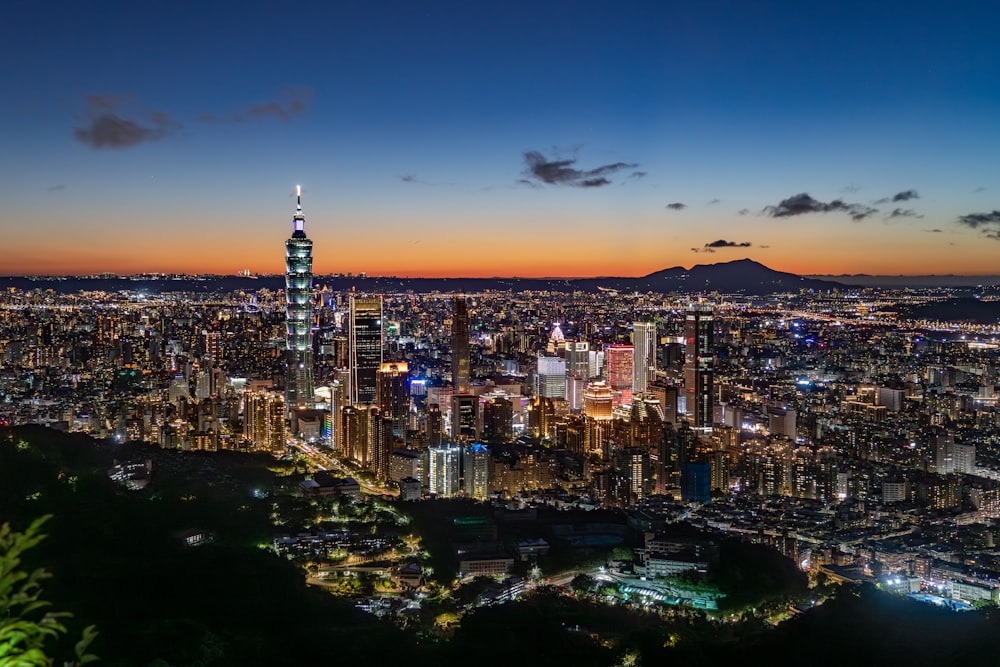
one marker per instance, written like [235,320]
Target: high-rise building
[443,464]
[366,348]
[578,359]
[434,425]
[619,360]
[460,347]
[644,363]
[298,313]
[699,364]
[551,377]
[497,415]
[264,421]
[477,469]
[464,416]
[394,395]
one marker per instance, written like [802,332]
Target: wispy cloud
[743,211]
[676,206]
[713,201]
[903,213]
[722,243]
[933,231]
[988,223]
[542,170]
[55,188]
[291,103]
[905,195]
[120,121]
[712,246]
[802,204]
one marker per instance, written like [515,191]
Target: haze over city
[529,139]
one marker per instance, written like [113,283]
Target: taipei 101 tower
[298,312]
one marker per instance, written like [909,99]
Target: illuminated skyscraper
[366,348]
[460,347]
[644,364]
[620,361]
[298,313]
[476,462]
[394,395]
[699,364]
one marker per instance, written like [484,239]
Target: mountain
[739,276]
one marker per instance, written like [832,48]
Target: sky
[518,138]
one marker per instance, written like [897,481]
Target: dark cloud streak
[562,172]
[802,204]
[988,223]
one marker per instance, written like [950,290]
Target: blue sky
[408,124]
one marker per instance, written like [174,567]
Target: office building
[443,464]
[476,471]
[644,363]
[366,348]
[699,364]
[460,361]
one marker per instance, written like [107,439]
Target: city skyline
[529,140]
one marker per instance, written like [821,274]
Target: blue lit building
[298,313]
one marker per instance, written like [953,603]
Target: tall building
[366,348]
[578,359]
[298,313]
[394,395]
[551,377]
[644,363]
[443,464]
[264,421]
[460,347]
[477,469]
[435,427]
[619,360]
[699,364]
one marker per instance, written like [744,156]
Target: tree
[25,629]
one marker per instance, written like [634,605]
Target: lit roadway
[324,461]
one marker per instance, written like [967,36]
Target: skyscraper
[460,347]
[394,395]
[298,313]
[366,348]
[620,361]
[699,364]
[644,364]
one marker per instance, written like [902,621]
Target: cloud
[676,206]
[905,195]
[802,204]
[722,243]
[293,102]
[55,188]
[562,172]
[713,201]
[979,189]
[932,231]
[703,249]
[119,121]
[903,213]
[989,223]
[638,174]
[743,211]
[850,189]
[763,246]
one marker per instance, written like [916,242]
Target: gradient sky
[502,138]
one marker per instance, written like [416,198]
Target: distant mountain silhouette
[739,276]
